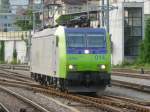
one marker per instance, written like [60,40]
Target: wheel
[62,85]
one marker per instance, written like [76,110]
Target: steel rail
[115,97]
[15,67]
[26,100]
[3,108]
[138,87]
[18,76]
[117,103]
[52,91]
[110,103]
[130,70]
[13,77]
[132,75]
[104,105]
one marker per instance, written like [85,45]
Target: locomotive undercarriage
[76,81]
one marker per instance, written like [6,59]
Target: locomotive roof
[51,31]
[86,30]
[45,32]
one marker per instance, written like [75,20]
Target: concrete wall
[8,51]
[147,7]
[21,51]
[13,39]
[116,29]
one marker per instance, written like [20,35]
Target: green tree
[2,51]
[14,56]
[145,45]
[26,24]
[4,6]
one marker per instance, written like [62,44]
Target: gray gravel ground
[41,100]
[110,91]
[79,106]
[25,73]
[47,101]
[13,104]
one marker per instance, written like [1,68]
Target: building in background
[127,30]
[11,36]
[4,6]
[53,9]
[7,21]
[7,18]
[126,21]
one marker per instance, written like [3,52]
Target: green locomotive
[73,59]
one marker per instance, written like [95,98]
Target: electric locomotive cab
[88,59]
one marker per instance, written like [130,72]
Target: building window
[5,25]
[132,30]
[5,29]
[5,17]
[9,25]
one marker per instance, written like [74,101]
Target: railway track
[144,103]
[3,108]
[15,67]
[116,72]
[14,75]
[52,91]
[127,70]
[133,75]
[34,105]
[138,87]
[126,105]
[106,103]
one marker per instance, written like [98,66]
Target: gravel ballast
[14,104]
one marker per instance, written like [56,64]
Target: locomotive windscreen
[75,40]
[86,40]
[95,40]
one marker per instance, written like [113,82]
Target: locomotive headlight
[71,67]
[86,51]
[103,67]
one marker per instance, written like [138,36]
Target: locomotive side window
[76,40]
[95,40]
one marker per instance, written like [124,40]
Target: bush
[144,56]
[2,51]
[14,61]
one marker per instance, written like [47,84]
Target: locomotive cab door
[55,56]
